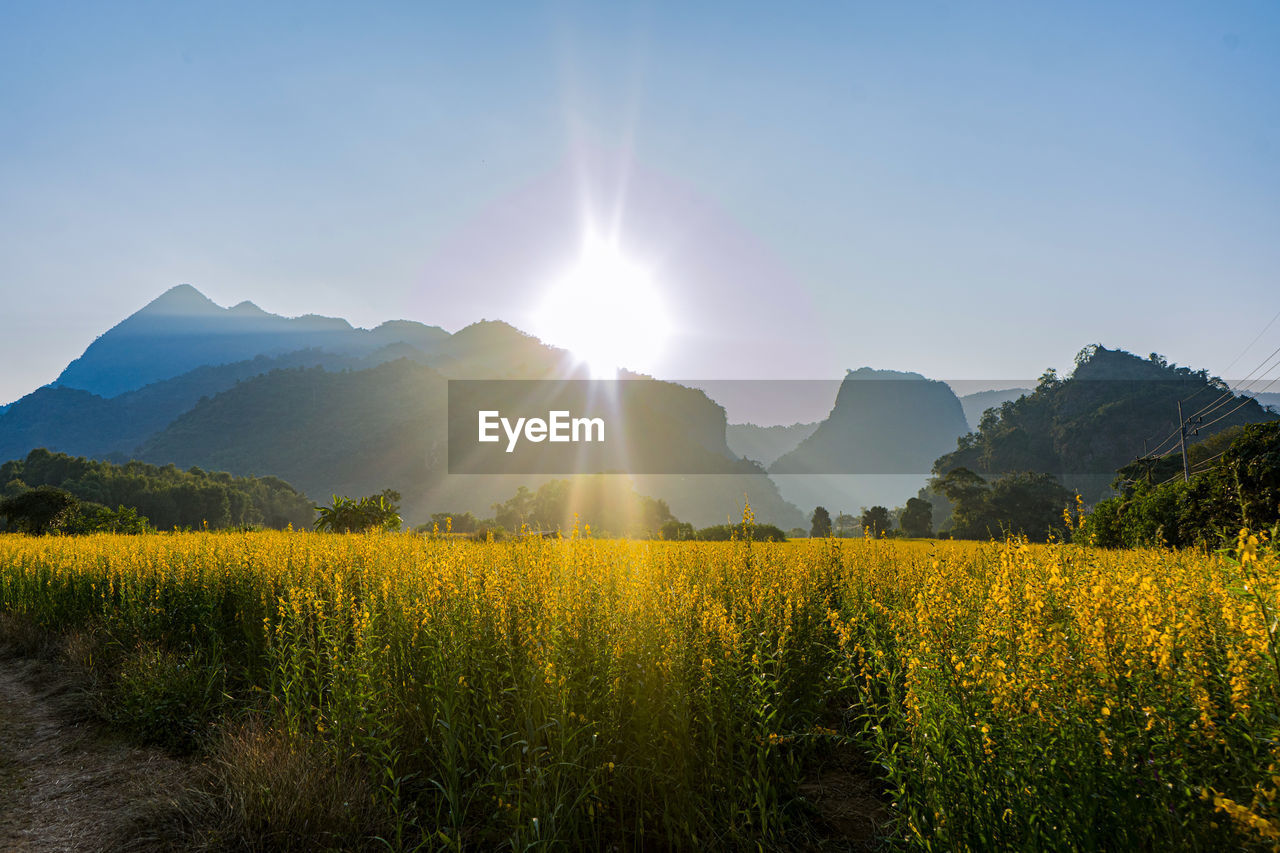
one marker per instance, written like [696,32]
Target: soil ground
[68,785]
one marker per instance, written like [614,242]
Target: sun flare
[606,311]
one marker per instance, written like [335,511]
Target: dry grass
[264,790]
[65,784]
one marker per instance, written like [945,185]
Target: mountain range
[348,411]
[334,409]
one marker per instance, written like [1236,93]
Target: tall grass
[590,694]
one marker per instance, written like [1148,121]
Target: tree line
[165,496]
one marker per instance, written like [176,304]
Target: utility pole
[1182,441]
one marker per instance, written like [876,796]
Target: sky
[970,191]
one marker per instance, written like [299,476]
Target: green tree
[166,495]
[1030,504]
[1020,502]
[456,522]
[516,511]
[674,530]
[346,515]
[1239,488]
[96,518]
[37,511]
[917,518]
[876,521]
[967,492]
[820,523]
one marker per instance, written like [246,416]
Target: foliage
[164,495]
[675,530]
[48,510]
[820,523]
[96,518]
[40,510]
[728,532]
[1240,490]
[450,522]
[606,504]
[916,519]
[349,515]
[166,697]
[1085,427]
[876,521]
[1019,503]
[589,694]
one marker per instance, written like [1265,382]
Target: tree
[968,492]
[516,511]
[1020,502]
[165,495]
[917,518]
[453,522]
[1029,504]
[876,521]
[845,524]
[820,523]
[38,511]
[96,518]
[1239,489]
[674,530]
[375,512]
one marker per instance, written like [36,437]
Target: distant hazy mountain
[1270,399]
[358,432]
[69,420]
[182,330]
[333,409]
[1112,409]
[975,404]
[765,444]
[876,446]
[883,422]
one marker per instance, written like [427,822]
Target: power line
[1230,393]
[1207,463]
[1252,342]
[1227,395]
[1243,402]
[1227,370]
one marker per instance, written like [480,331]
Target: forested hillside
[1114,408]
[167,496]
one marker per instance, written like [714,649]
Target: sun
[606,311]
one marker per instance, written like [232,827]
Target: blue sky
[971,191]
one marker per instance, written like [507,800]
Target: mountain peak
[873,373]
[181,299]
[247,308]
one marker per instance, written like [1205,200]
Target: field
[596,694]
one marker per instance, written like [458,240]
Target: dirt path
[65,785]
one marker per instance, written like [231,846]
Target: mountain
[358,432]
[764,444]
[1112,409]
[182,329]
[1269,399]
[876,446]
[81,423]
[883,422]
[975,404]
